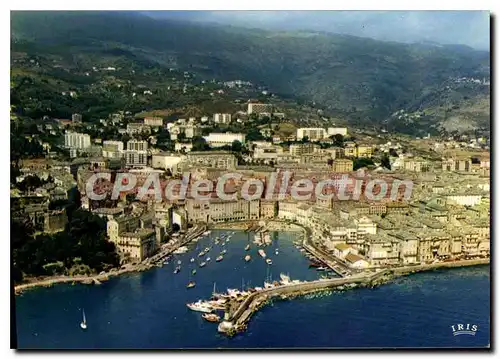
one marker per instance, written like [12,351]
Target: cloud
[446,27]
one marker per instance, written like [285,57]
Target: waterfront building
[237,210]
[268,209]
[356,261]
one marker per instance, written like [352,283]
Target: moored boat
[223,252]
[202,264]
[269,261]
[214,318]
[192,260]
[209,259]
[193,272]
[191,284]
[247,258]
[200,306]
[247,247]
[219,258]
[262,253]
[177,270]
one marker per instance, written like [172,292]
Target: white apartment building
[75,140]
[166,161]
[112,149]
[223,118]
[224,139]
[313,134]
[137,153]
[337,131]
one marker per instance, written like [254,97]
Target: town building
[259,108]
[76,118]
[153,121]
[213,159]
[166,161]
[313,134]
[342,165]
[75,140]
[112,149]
[298,149]
[224,139]
[331,131]
[222,118]
[136,154]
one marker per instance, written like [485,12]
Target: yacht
[247,258]
[269,261]
[83,324]
[262,253]
[202,264]
[247,247]
[200,306]
[208,259]
[219,258]
[191,284]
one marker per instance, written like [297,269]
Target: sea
[148,310]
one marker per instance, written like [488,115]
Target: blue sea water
[148,310]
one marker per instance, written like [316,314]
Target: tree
[338,140]
[305,139]
[200,144]
[385,162]
[236,146]
[181,137]
[361,162]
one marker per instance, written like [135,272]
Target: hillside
[360,79]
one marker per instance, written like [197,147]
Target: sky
[471,28]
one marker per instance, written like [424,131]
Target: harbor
[173,323]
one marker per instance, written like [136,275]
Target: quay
[237,315]
[176,244]
[97,279]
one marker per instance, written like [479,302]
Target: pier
[238,315]
[176,244]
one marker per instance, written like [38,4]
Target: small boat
[269,261]
[200,306]
[192,260]
[219,258]
[202,264]
[314,265]
[214,318]
[177,270]
[223,244]
[190,284]
[247,258]
[262,253]
[83,324]
[276,251]
[321,268]
[179,262]
[208,259]
[247,247]
[193,272]
[201,254]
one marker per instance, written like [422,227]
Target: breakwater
[237,320]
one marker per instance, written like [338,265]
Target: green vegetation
[361,80]
[81,248]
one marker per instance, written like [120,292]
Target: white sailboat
[83,324]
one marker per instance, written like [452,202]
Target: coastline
[238,320]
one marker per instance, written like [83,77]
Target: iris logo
[464,329]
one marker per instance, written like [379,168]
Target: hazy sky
[470,28]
